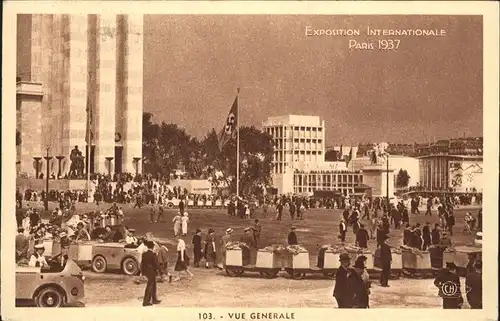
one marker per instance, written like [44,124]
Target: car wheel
[170,205]
[130,266]
[99,264]
[49,298]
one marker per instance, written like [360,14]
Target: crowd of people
[66,226]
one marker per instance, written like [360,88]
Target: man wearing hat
[149,268]
[474,286]
[341,291]
[448,284]
[358,287]
[224,240]
[37,259]
[292,237]
[197,250]
[385,260]
[22,245]
[248,239]
[342,230]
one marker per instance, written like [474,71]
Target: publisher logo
[449,289]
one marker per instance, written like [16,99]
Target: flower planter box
[397,261]
[297,261]
[115,220]
[461,259]
[234,257]
[332,260]
[268,260]
[448,257]
[190,203]
[415,261]
[218,203]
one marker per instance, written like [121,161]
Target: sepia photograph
[263,163]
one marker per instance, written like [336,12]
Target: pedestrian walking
[197,249]
[385,260]
[474,286]
[448,284]
[149,268]
[341,291]
[177,224]
[182,260]
[184,223]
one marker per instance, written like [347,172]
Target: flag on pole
[89,135]
[349,158]
[230,126]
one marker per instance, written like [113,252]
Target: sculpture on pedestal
[378,153]
[77,163]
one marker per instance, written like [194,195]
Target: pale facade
[396,163]
[458,172]
[81,60]
[298,140]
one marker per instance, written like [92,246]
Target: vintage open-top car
[52,287]
[115,256]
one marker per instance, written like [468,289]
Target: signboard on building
[465,176]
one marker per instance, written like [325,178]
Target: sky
[430,88]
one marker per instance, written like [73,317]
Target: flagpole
[89,141]
[237,143]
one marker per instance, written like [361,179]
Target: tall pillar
[29,98]
[106,83]
[75,111]
[41,55]
[132,129]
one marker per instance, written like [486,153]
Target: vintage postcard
[250,160]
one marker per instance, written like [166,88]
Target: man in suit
[448,284]
[149,268]
[426,235]
[474,286]
[342,230]
[385,260]
[22,245]
[341,291]
[292,237]
[436,235]
[362,237]
[279,208]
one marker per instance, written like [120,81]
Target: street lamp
[136,160]
[59,159]
[387,177]
[37,164]
[109,159]
[47,159]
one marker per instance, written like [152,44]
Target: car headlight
[74,291]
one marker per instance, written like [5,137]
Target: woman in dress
[177,224]
[182,260]
[210,254]
[184,221]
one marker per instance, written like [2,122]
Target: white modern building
[299,164]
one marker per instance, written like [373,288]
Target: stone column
[75,110]
[29,98]
[106,83]
[133,78]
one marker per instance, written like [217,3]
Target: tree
[256,153]
[402,179]
[332,155]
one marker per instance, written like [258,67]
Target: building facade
[80,61]
[341,181]
[298,139]
[460,173]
